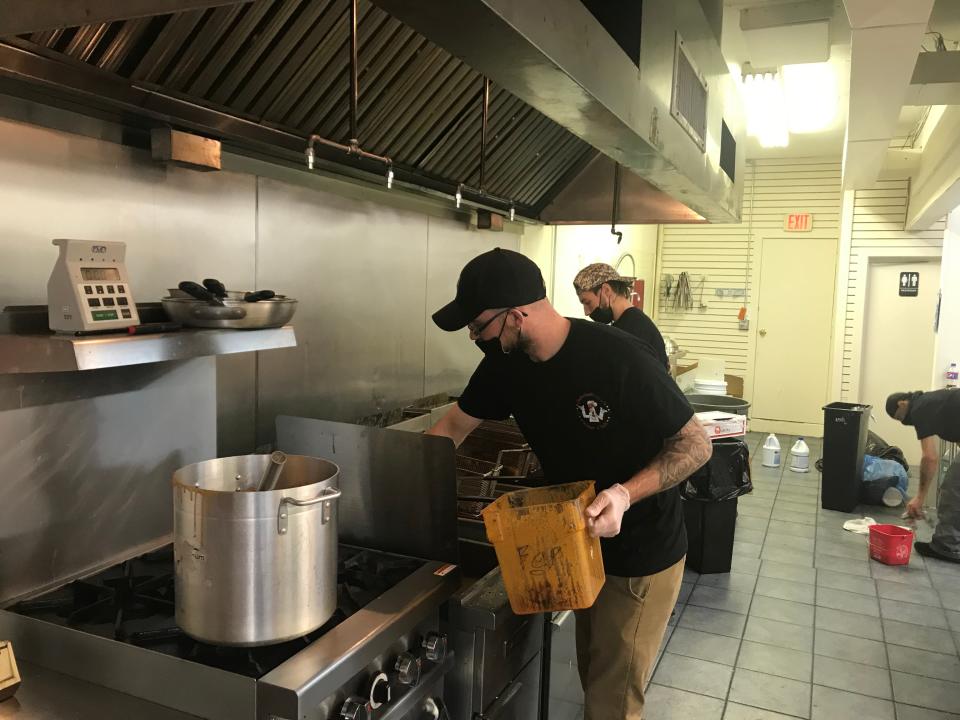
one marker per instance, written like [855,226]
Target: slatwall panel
[727,254]
[879,216]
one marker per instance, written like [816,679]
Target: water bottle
[952,374]
[800,457]
[771,452]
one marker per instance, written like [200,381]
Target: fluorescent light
[765,109]
[811,96]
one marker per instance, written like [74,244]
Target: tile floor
[804,626]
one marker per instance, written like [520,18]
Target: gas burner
[109,599]
[134,602]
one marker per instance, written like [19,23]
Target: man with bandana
[605,296]
[594,404]
[934,415]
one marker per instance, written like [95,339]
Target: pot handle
[327,496]
[211,312]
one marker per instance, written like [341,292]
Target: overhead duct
[936,79]
[560,59]
[787,34]
[935,188]
[885,40]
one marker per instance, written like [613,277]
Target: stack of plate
[710,387]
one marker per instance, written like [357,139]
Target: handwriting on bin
[542,561]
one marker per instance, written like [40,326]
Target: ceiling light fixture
[765,109]
[811,96]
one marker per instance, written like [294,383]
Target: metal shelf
[38,353]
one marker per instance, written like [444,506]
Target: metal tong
[271,476]
[214,292]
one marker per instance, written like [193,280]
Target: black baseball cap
[496,279]
[893,400]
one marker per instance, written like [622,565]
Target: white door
[898,344]
[794,321]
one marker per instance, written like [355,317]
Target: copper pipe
[350,149]
[354,80]
[483,130]
[617,170]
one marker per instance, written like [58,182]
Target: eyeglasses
[478,330]
[483,327]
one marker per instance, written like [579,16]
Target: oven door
[520,700]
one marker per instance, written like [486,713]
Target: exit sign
[798,222]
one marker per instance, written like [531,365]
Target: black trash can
[710,532]
[845,427]
[710,506]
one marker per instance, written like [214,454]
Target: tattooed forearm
[681,456]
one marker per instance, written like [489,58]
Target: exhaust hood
[514,105]
[655,97]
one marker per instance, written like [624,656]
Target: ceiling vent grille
[689,102]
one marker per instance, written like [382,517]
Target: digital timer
[89,290]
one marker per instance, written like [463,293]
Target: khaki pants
[618,640]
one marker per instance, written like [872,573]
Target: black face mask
[493,346]
[602,314]
[490,347]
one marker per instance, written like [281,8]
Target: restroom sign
[798,222]
[909,284]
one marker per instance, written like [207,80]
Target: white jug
[800,457]
[771,452]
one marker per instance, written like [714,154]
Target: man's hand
[455,424]
[915,508]
[605,513]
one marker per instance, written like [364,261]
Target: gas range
[381,656]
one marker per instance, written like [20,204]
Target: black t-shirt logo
[593,412]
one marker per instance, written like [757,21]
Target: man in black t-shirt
[605,296]
[934,414]
[594,404]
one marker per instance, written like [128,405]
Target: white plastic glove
[605,513]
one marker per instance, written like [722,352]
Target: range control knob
[355,709]
[408,669]
[380,691]
[435,646]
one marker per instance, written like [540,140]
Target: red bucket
[890,544]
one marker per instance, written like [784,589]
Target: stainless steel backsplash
[87,457]
[367,270]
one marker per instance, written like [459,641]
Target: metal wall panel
[368,275]
[359,272]
[87,461]
[87,456]
[177,224]
[399,489]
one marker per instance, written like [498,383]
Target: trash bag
[878,447]
[725,476]
[872,491]
[876,469]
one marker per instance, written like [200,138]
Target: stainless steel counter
[48,695]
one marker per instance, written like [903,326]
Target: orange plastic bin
[548,560]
